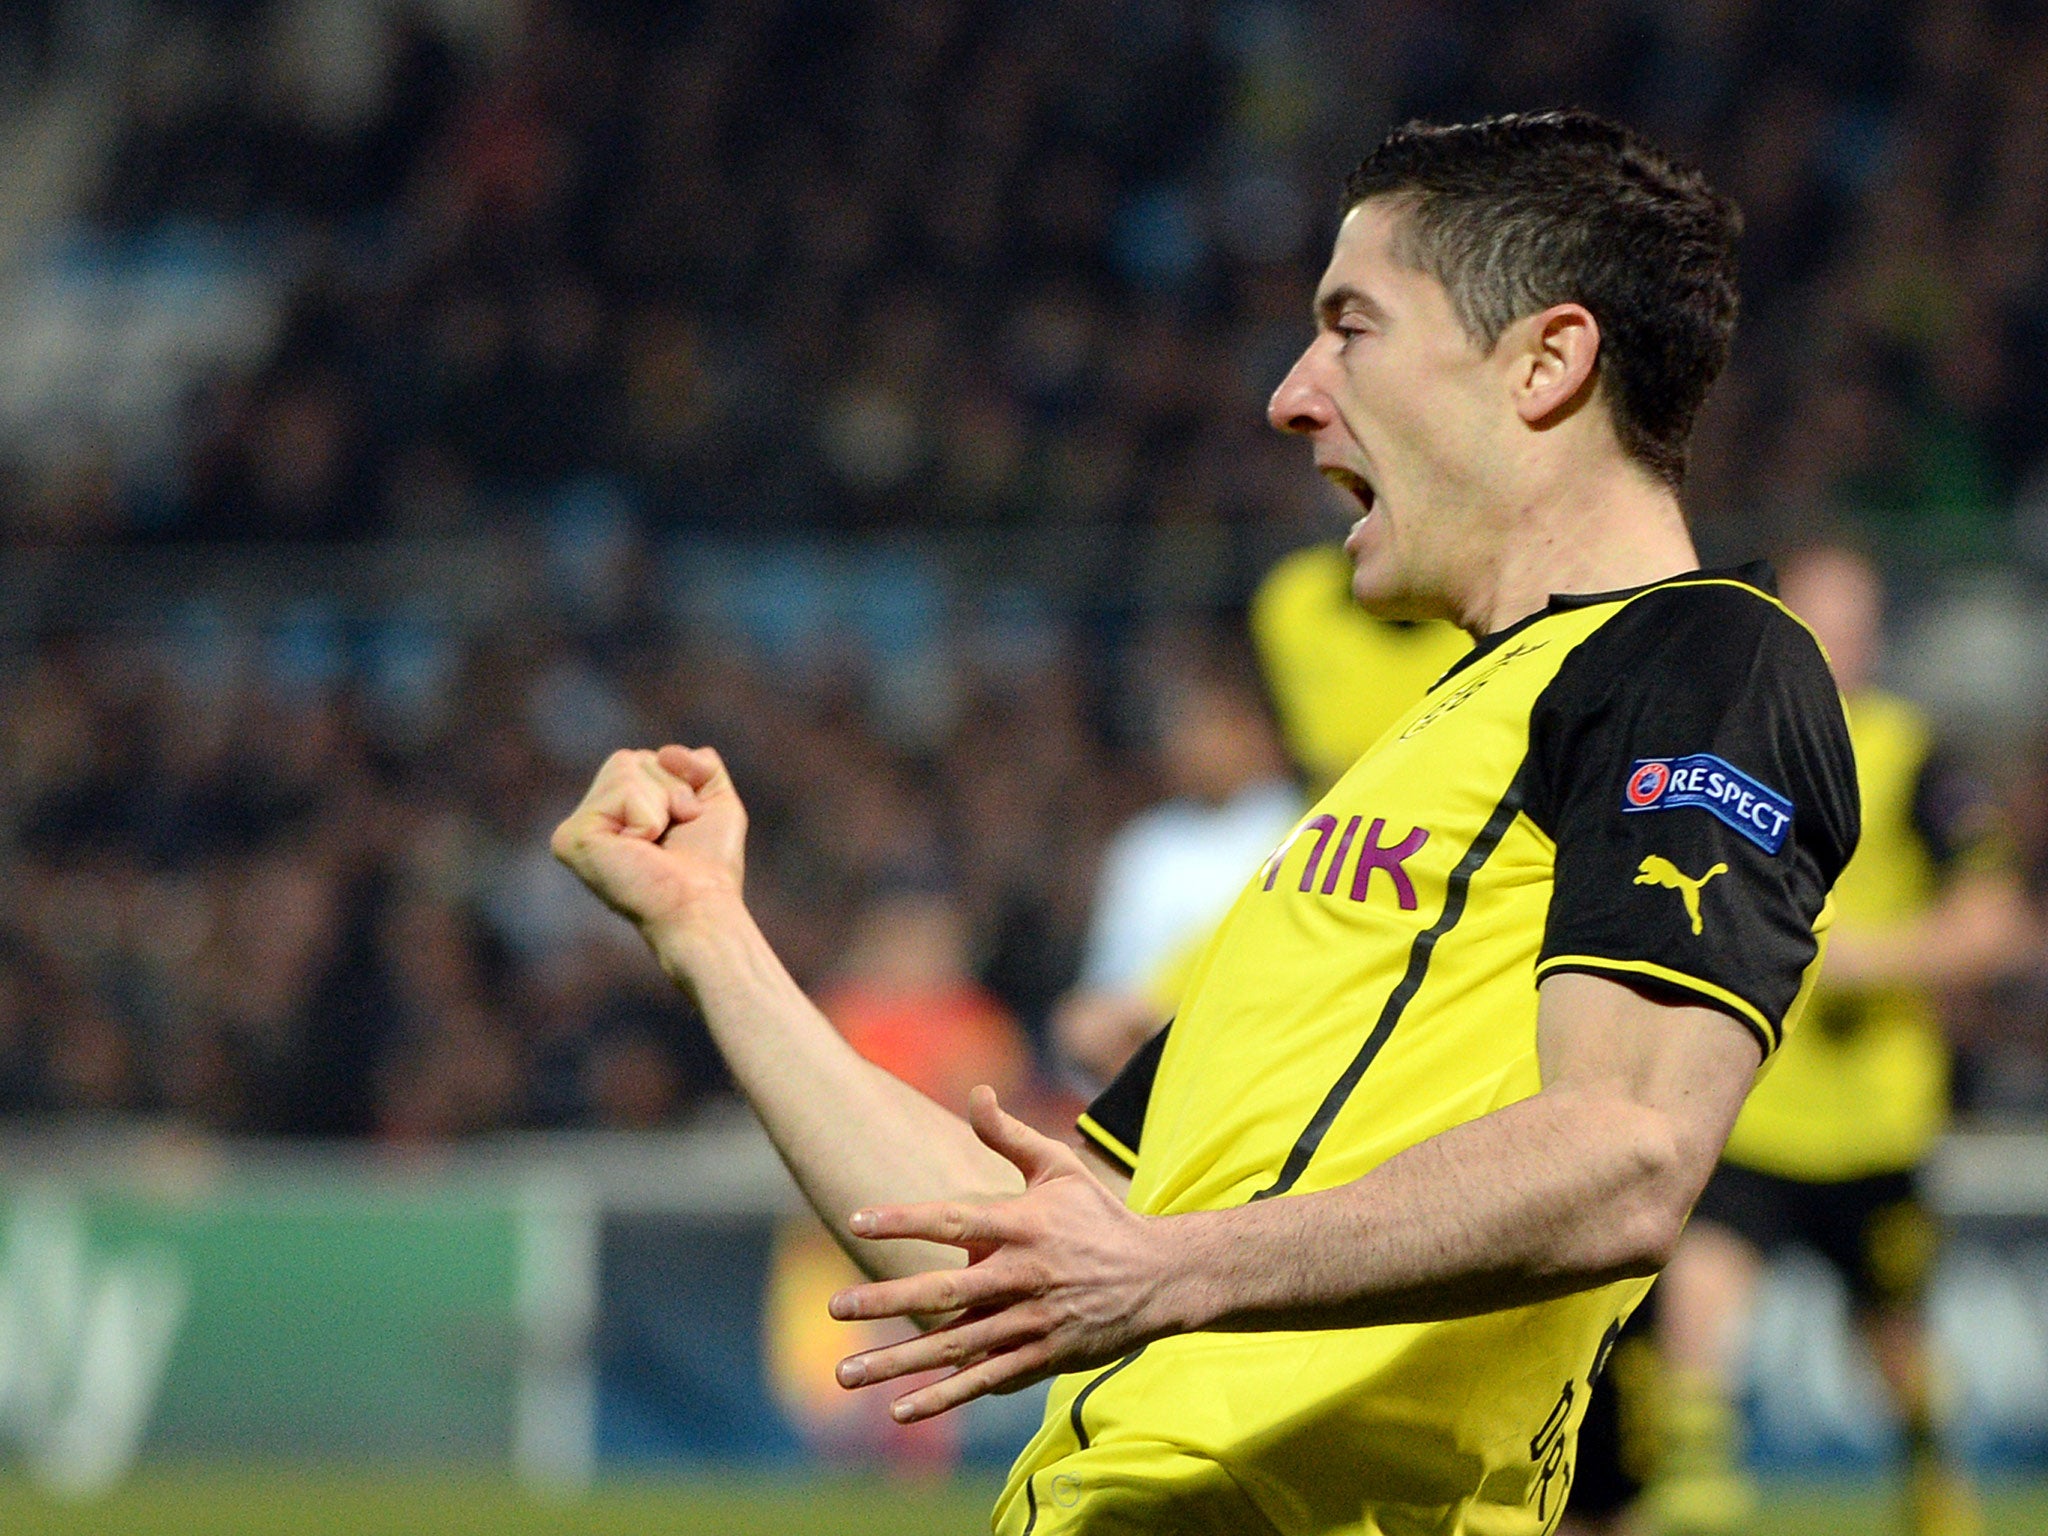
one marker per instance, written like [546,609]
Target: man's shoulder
[1727,607]
[1705,630]
[1705,680]
[1888,721]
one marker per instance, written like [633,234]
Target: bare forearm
[850,1133]
[1544,1197]
[1586,1182]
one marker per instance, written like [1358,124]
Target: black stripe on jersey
[1081,1397]
[1030,1507]
[1455,892]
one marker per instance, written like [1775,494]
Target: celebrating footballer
[1343,1247]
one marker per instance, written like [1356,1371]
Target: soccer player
[1346,1241]
[1338,675]
[1826,1150]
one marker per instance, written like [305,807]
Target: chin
[1381,593]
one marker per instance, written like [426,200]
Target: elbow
[1651,1240]
[1661,1179]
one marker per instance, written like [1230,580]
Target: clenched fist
[657,834]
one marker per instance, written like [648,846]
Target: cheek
[1388,397]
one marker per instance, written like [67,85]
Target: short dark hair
[1516,213]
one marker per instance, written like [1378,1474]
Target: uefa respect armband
[1710,784]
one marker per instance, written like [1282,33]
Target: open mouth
[1350,480]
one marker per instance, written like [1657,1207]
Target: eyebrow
[1332,304]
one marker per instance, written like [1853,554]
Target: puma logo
[1658,870]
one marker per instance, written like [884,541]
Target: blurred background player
[395,394]
[1338,675]
[1826,1151]
[1171,872]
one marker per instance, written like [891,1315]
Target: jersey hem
[1090,1127]
[1744,1012]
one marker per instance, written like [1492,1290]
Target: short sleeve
[1115,1122]
[1692,765]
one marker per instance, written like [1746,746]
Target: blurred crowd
[249,904]
[334,270]
[628,276]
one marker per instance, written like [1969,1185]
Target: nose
[1298,405]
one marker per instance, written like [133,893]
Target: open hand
[1061,1278]
[657,832]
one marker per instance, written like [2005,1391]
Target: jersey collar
[1755,573]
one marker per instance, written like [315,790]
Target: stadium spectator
[1172,871]
[523,280]
[496,268]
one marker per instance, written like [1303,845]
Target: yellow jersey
[1864,1088]
[1375,984]
[1338,676]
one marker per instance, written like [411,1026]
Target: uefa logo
[1647,783]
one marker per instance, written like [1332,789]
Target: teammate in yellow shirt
[1826,1150]
[1338,675]
[1346,1245]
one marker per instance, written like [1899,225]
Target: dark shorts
[1617,1441]
[1874,1231]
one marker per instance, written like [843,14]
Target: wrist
[1189,1295]
[689,937]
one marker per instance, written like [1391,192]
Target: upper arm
[1692,766]
[1667,1071]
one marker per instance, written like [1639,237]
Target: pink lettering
[1372,856]
[1337,859]
[1324,826]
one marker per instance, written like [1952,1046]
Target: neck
[1601,531]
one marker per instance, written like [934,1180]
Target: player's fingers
[645,805]
[677,795]
[1037,1156]
[621,800]
[699,767]
[958,1344]
[932,1294]
[1006,1372]
[937,1221]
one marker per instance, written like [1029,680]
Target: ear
[1559,348]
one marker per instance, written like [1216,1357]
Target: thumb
[1037,1157]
